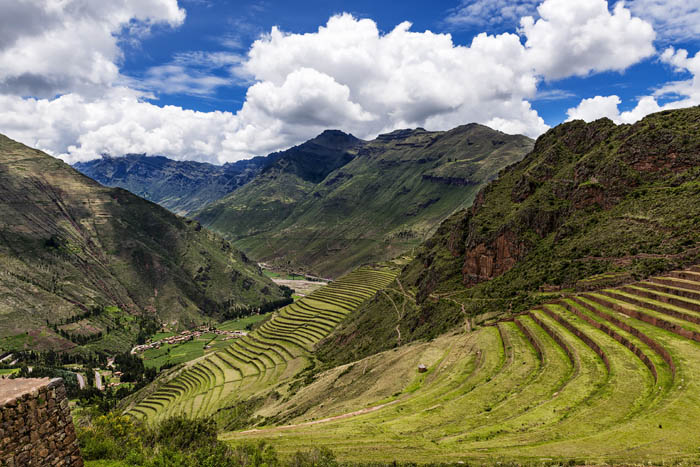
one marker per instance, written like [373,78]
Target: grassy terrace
[271,355]
[605,377]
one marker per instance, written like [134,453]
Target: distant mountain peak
[335,139]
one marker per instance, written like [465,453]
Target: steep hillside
[365,201]
[85,264]
[593,205]
[180,186]
[288,177]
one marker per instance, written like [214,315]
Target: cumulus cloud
[582,37]
[674,95]
[347,74]
[50,47]
[673,20]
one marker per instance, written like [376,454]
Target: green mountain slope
[288,177]
[82,263]
[180,186]
[366,201]
[593,205]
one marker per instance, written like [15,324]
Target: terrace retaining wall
[36,428]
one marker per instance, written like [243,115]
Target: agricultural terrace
[611,377]
[275,352]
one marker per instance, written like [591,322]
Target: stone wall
[36,428]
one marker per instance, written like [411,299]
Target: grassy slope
[68,244]
[551,386]
[262,204]
[382,203]
[594,204]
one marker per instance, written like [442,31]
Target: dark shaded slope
[69,245]
[262,204]
[180,186]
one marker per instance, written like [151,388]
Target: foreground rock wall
[36,428]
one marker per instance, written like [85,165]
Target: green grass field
[611,377]
[242,323]
[270,358]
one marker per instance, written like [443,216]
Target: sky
[220,81]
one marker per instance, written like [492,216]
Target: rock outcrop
[36,428]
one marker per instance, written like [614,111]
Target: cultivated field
[605,377]
[266,358]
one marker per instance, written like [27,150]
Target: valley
[338,234]
[554,319]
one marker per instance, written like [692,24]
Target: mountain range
[182,187]
[335,201]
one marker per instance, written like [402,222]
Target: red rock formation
[489,260]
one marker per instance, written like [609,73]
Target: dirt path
[323,420]
[398,315]
[467,322]
[302,286]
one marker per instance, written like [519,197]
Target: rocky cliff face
[580,183]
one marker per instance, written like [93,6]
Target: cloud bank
[345,75]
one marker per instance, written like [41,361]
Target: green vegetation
[119,441]
[243,323]
[370,201]
[610,377]
[543,228]
[174,354]
[90,269]
[270,363]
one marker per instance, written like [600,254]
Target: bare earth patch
[300,286]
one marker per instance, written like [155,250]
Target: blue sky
[220,80]
[211,24]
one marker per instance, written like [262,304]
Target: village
[186,336]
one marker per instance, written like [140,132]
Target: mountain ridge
[72,249]
[384,198]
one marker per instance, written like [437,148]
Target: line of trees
[266,307]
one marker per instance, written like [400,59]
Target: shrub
[181,433]
[316,457]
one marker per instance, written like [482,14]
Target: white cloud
[677,94]
[50,47]
[673,20]
[582,37]
[346,75]
[195,73]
